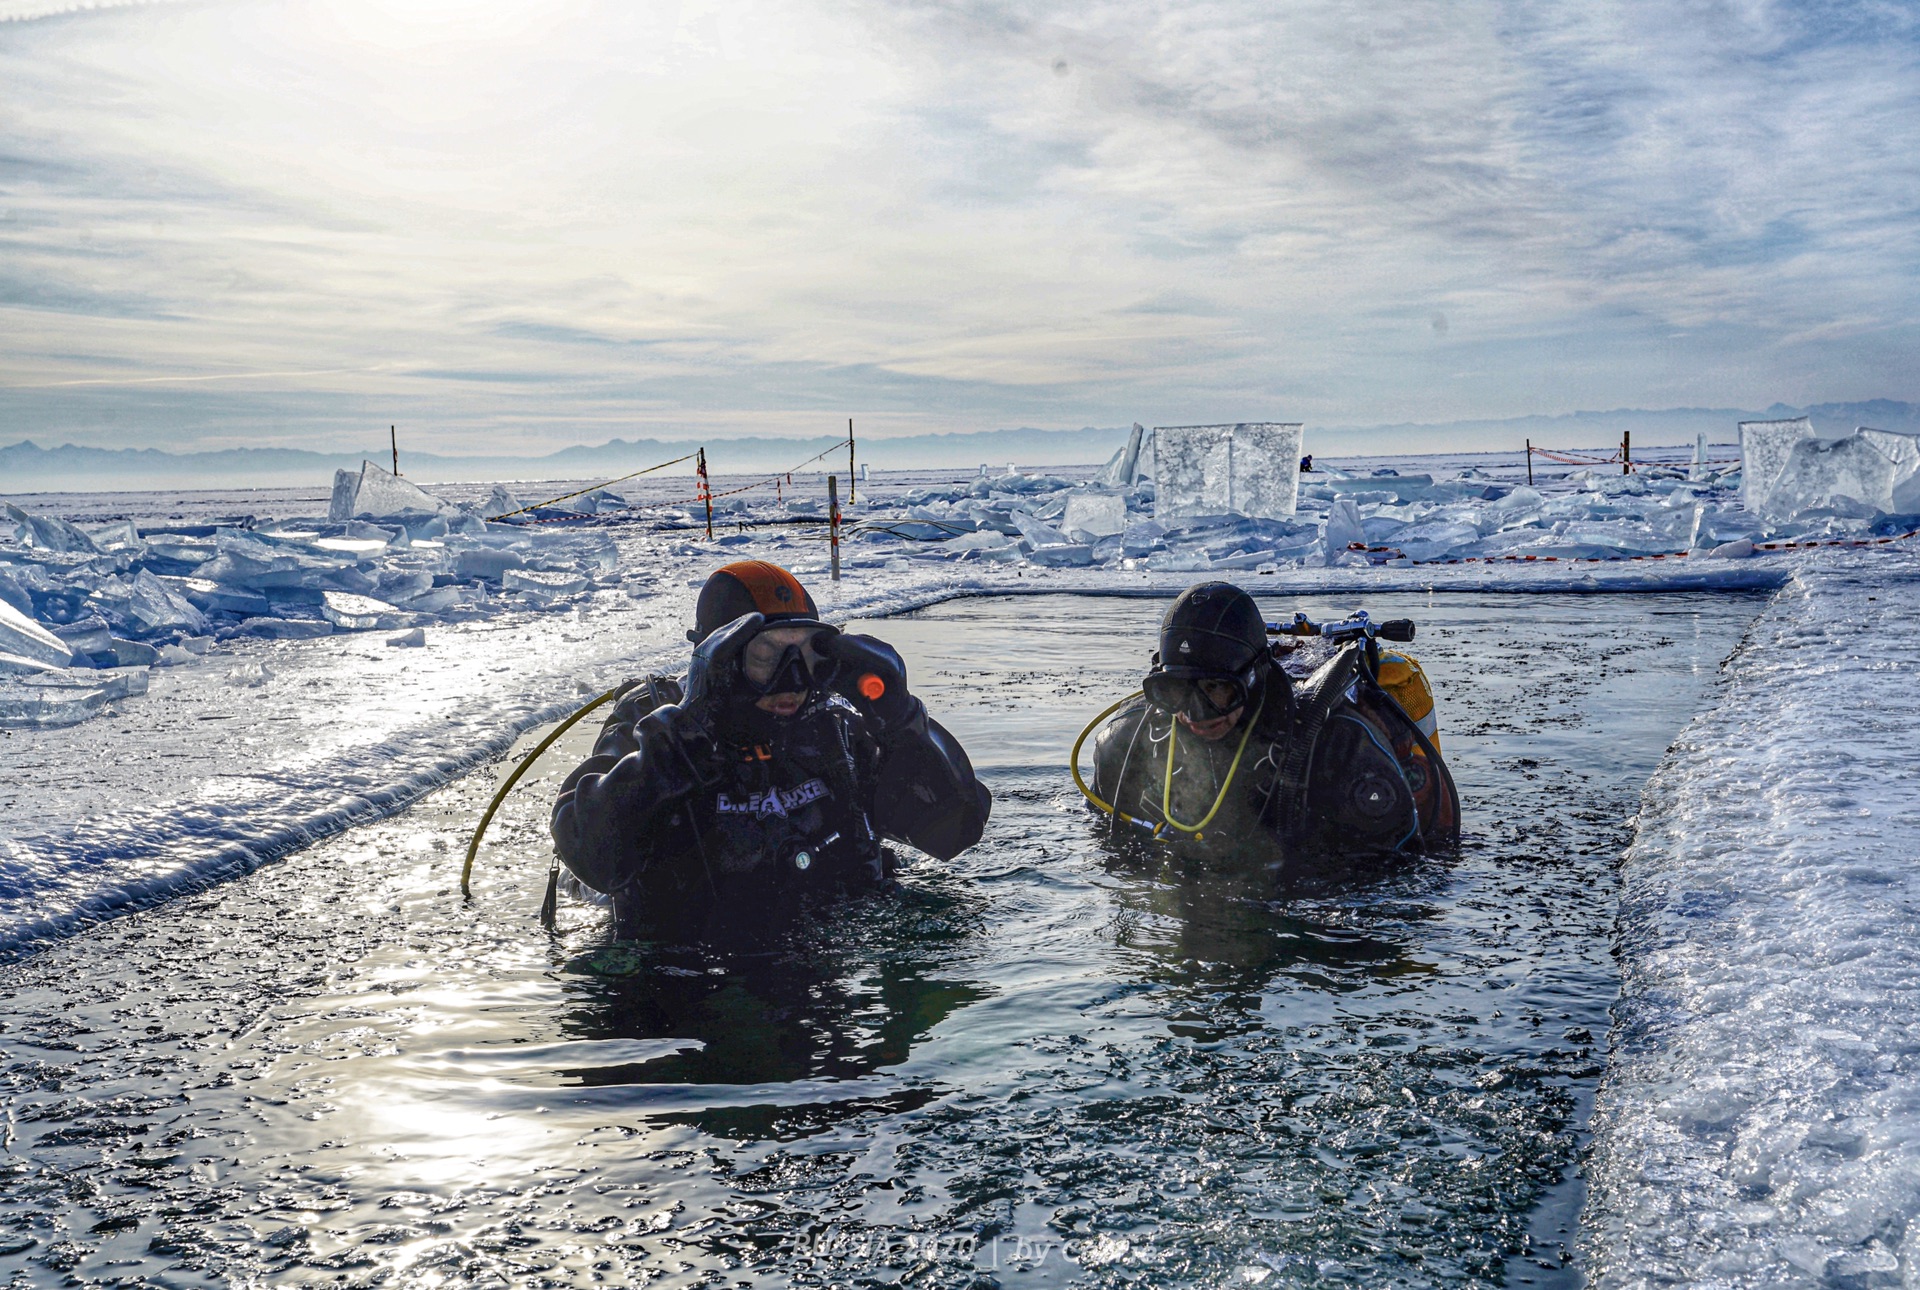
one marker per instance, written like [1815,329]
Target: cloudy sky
[517,224]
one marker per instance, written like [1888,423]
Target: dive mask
[788,666]
[1187,694]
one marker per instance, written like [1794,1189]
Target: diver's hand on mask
[681,749]
[873,677]
[714,670]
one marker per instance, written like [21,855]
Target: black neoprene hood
[1214,629]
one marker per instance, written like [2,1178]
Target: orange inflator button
[872,687]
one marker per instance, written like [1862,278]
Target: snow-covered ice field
[1757,1122]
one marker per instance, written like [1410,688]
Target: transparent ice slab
[1903,450]
[1091,515]
[1250,469]
[1848,475]
[21,635]
[1764,448]
[373,493]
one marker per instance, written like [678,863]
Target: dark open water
[1037,1065]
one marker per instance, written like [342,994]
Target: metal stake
[706,491]
[833,521]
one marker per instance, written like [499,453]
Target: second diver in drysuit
[1225,754]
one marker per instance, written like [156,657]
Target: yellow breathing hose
[1073,760]
[526,763]
[1157,828]
[1166,791]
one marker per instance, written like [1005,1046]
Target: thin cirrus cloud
[516,224]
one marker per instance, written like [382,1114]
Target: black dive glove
[873,677]
[690,727]
[715,667]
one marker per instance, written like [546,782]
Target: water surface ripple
[1042,1064]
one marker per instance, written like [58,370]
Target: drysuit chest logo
[774,801]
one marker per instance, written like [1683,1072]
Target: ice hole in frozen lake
[1036,1061]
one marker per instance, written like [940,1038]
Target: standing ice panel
[1266,469]
[1764,448]
[1250,469]
[1903,450]
[1122,469]
[1840,474]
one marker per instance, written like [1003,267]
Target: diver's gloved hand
[714,671]
[681,749]
[873,678]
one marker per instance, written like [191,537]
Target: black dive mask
[799,669]
[1184,693]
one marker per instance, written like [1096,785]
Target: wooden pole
[706,491]
[393,438]
[1626,452]
[850,471]
[833,521]
[1529,463]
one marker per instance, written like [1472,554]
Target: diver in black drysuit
[1326,765]
[729,802]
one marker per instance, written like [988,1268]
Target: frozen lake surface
[1040,1061]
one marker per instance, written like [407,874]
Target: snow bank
[1760,1122]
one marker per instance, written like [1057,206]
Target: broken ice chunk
[411,639]
[250,676]
[1764,448]
[14,665]
[121,535]
[154,608]
[500,502]
[119,653]
[436,601]
[1250,469]
[543,587]
[1037,532]
[1123,469]
[1091,515]
[48,534]
[285,629]
[352,613]
[487,563]
[373,493]
[33,706]
[211,597]
[20,635]
[981,540]
[1060,555]
[1342,529]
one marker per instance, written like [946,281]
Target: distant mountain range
[27,467]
